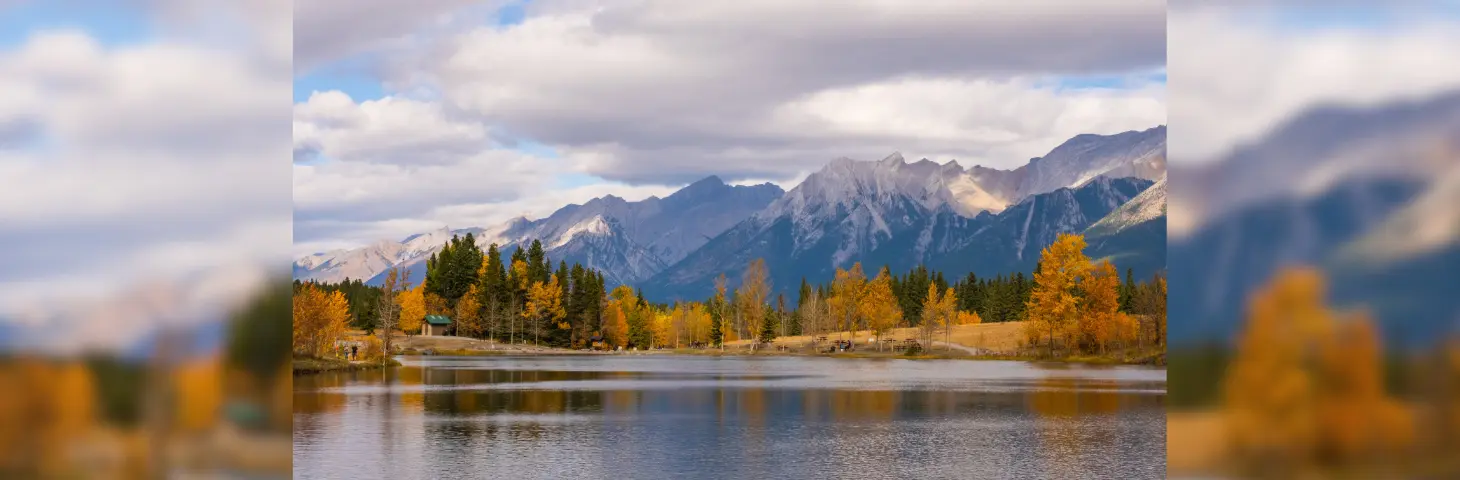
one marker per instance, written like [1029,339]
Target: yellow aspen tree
[615,324]
[319,320]
[1054,302]
[544,305]
[932,314]
[880,307]
[469,314]
[335,321]
[199,387]
[949,315]
[304,320]
[1100,295]
[412,309]
[699,320]
[755,288]
[1269,395]
[663,330]
[519,279]
[848,287]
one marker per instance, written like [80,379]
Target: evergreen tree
[717,332]
[803,294]
[770,321]
[1127,290]
[786,322]
[537,266]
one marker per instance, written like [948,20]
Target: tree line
[523,299]
[1081,307]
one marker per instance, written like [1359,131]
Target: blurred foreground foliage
[104,415]
[1310,390]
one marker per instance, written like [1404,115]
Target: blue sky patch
[1105,81]
[107,22]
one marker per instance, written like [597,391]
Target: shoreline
[308,365]
[1150,360]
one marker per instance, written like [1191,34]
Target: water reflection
[729,417]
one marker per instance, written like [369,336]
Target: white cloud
[653,93]
[160,162]
[390,129]
[1238,78]
[328,30]
[997,123]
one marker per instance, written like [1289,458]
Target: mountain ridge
[632,242]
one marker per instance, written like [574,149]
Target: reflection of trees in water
[468,401]
[1067,412]
[309,397]
[850,405]
[413,399]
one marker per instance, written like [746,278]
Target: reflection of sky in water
[707,417]
[651,373]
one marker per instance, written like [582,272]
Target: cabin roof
[438,320]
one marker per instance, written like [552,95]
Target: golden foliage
[519,272]
[435,305]
[412,309]
[1100,301]
[698,322]
[879,305]
[938,311]
[545,302]
[45,408]
[199,387]
[1079,302]
[1054,303]
[754,291]
[1306,386]
[468,317]
[662,329]
[615,323]
[847,289]
[319,320]
[372,350]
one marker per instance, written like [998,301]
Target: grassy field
[997,338]
[990,341]
[995,341]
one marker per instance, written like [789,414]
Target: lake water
[657,416]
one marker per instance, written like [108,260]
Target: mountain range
[893,212]
[1368,194]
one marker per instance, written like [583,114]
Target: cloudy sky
[1241,68]
[141,147]
[467,113]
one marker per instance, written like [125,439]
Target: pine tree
[781,318]
[1127,291]
[537,266]
[769,323]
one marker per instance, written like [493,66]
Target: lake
[663,416]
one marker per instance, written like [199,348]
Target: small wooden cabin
[598,343]
[435,326]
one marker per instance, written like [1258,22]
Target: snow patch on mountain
[1149,205]
[626,240]
[593,226]
[1427,225]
